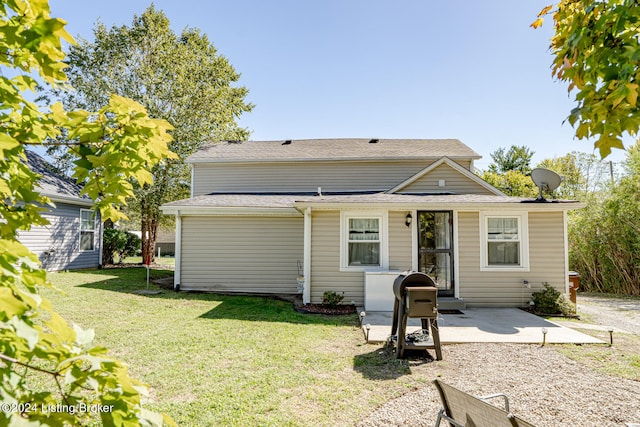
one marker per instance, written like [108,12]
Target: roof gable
[364,149]
[53,183]
[433,169]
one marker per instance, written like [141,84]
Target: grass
[233,360]
[622,359]
[164,261]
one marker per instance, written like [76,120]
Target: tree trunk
[107,252]
[149,234]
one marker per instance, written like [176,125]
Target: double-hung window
[87,230]
[504,242]
[363,245]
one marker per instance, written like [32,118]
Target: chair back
[470,411]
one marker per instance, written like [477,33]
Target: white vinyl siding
[452,179]
[505,289]
[241,254]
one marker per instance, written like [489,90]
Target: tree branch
[26,365]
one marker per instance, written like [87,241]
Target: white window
[504,242]
[363,241]
[87,230]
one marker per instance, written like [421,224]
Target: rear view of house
[350,214]
[72,239]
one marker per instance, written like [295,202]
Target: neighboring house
[73,237]
[354,213]
[166,242]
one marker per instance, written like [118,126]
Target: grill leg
[402,330]
[435,332]
[394,325]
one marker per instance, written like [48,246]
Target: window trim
[93,231]
[383,218]
[523,232]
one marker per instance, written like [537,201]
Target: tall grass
[604,237]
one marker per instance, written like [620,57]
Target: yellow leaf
[537,23]
[545,10]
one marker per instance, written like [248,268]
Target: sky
[470,70]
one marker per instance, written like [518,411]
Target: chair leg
[439,417]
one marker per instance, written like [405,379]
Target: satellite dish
[546,180]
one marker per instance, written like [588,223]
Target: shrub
[332,298]
[550,301]
[120,243]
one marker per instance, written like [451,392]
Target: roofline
[229,211]
[468,206]
[453,165]
[298,207]
[325,159]
[69,200]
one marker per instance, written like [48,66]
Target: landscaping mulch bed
[336,310]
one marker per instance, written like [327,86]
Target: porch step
[450,303]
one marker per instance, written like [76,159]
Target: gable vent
[234,141]
[287,142]
[374,141]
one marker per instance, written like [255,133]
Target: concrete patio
[483,325]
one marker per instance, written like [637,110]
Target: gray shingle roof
[332,149]
[289,201]
[237,201]
[53,183]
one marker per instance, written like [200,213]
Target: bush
[332,298]
[550,301]
[120,243]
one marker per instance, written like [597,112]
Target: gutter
[543,207]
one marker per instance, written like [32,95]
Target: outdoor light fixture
[610,336]
[368,328]
[408,219]
[362,315]
[544,336]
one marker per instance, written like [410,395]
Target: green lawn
[166,261]
[232,360]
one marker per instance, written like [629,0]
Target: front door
[435,249]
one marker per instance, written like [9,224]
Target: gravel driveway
[608,311]
[544,387]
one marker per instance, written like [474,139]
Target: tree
[596,50]
[510,171]
[114,147]
[511,183]
[180,78]
[516,158]
[583,175]
[604,238]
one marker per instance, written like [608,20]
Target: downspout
[178,252]
[306,292]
